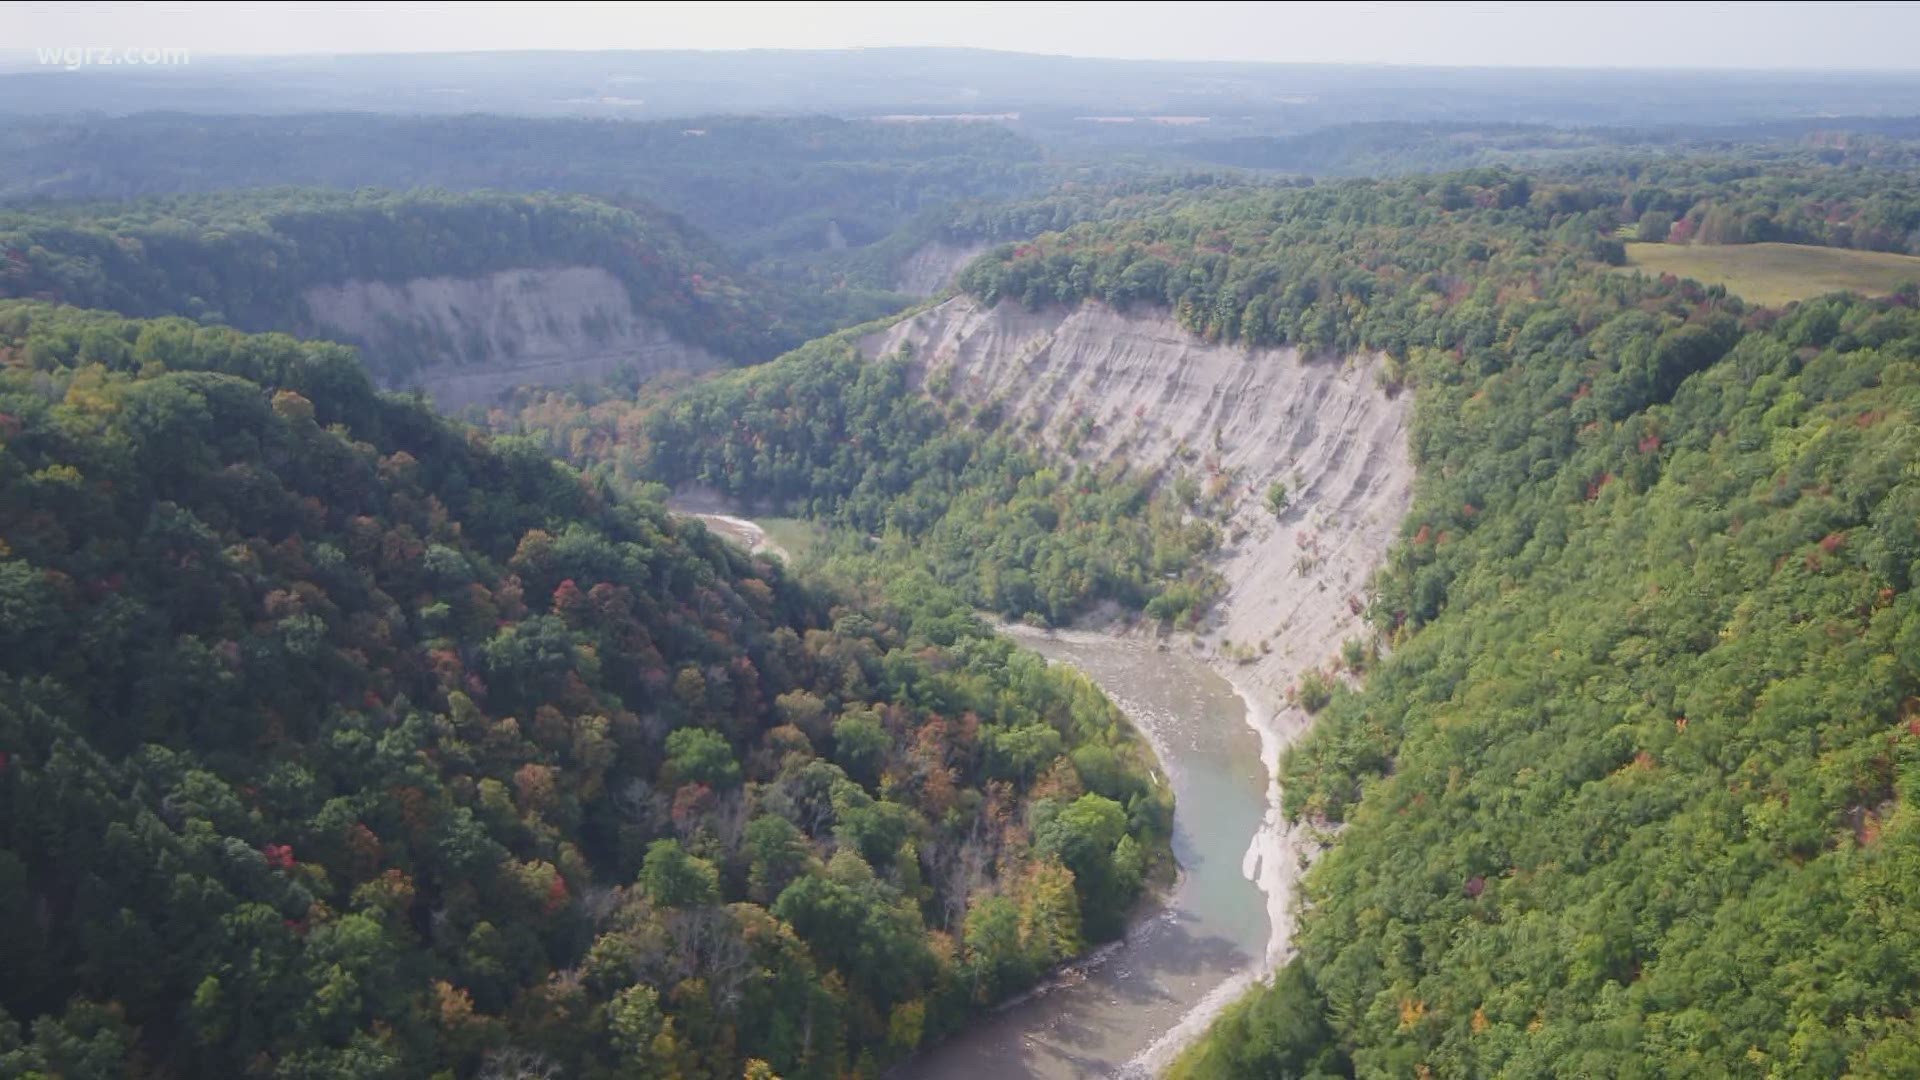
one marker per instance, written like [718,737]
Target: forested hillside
[1627,795]
[793,197]
[1366,262]
[1637,802]
[913,481]
[1392,148]
[337,741]
[983,222]
[1361,264]
[921,480]
[1873,204]
[340,741]
[1413,269]
[247,259]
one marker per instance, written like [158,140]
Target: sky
[1858,36]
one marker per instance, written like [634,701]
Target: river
[1129,1010]
[1131,1007]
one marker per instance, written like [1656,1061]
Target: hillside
[1638,802]
[1624,795]
[1620,790]
[341,741]
[800,200]
[338,741]
[459,294]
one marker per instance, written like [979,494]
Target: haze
[1751,36]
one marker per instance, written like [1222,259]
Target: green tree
[634,1021]
[777,853]
[1085,836]
[676,879]
[997,959]
[1277,498]
[861,744]
[701,756]
[1049,914]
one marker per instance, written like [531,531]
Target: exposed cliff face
[1138,385]
[471,340]
[933,266]
[1166,400]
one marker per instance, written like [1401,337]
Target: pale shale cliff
[932,267]
[1139,386]
[1099,384]
[474,339]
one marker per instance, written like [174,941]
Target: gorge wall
[932,266]
[468,341]
[1098,383]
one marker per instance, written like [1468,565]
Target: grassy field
[1774,274]
[796,536]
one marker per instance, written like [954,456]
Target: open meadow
[1775,274]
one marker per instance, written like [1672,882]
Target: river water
[1130,1009]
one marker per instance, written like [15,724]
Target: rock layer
[932,267]
[1094,383]
[473,339]
[1098,383]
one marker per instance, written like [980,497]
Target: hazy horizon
[1832,37]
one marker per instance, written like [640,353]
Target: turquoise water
[1127,1010]
[1137,1002]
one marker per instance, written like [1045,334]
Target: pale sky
[1884,36]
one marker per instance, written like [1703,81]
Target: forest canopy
[339,741]
[1630,793]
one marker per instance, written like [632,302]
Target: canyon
[1091,383]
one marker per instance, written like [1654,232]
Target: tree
[1277,499]
[874,827]
[88,1041]
[701,756]
[777,852]
[1049,914]
[633,1023]
[675,879]
[1022,752]
[803,710]
[905,1026]
[997,959]
[1084,836]
[861,744]
[858,925]
[1281,1032]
